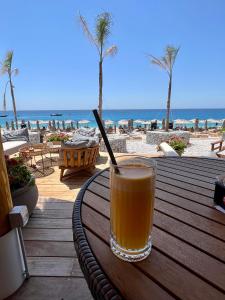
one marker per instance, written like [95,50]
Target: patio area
[53,265]
[52,261]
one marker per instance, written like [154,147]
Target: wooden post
[5,194]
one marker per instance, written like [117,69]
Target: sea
[215,116]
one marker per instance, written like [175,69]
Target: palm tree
[7,69]
[167,63]
[102,32]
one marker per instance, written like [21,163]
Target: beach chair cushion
[16,135]
[80,141]
[86,132]
[12,147]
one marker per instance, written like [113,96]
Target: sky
[59,66]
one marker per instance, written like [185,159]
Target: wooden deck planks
[53,288]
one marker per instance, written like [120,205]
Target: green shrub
[18,174]
[58,137]
[178,144]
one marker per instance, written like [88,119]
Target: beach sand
[197,147]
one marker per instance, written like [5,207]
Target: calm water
[116,115]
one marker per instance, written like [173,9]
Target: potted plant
[11,258]
[22,184]
[57,138]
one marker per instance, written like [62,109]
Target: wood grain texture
[53,288]
[187,259]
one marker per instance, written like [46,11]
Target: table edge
[98,283]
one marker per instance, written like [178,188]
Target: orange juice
[132,204]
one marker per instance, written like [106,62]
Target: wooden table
[188,255]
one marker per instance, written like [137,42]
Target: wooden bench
[214,147]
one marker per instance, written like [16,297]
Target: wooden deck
[53,265]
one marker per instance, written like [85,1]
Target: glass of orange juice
[132,194]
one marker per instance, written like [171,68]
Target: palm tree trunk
[100,89]
[168,104]
[13,101]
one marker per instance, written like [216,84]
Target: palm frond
[171,54]
[7,63]
[111,51]
[157,61]
[103,24]
[87,32]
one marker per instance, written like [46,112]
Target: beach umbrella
[83,122]
[108,122]
[214,121]
[12,125]
[28,125]
[181,121]
[146,122]
[139,121]
[123,122]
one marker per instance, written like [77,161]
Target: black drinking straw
[107,144]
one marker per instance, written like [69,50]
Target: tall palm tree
[167,63]
[99,39]
[7,69]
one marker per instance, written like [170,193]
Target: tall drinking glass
[132,193]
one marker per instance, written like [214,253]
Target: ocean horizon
[217,114]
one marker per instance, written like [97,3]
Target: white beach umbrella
[108,122]
[192,121]
[43,122]
[139,121]
[83,121]
[214,121]
[146,122]
[123,122]
[181,121]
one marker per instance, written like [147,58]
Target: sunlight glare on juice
[132,193]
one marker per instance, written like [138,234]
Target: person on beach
[23,124]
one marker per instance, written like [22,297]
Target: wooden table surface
[188,255]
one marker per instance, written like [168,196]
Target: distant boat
[3,116]
[56,115]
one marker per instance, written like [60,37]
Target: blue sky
[59,67]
